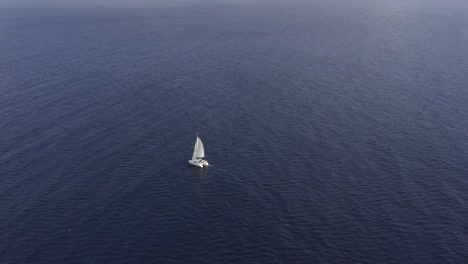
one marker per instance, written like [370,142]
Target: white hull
[198,163]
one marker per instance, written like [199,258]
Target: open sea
[337,131]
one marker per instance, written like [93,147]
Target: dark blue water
[337,132]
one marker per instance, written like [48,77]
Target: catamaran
[198,155]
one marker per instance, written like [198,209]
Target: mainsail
[199,151]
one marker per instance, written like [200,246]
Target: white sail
[199,150]
[198,155]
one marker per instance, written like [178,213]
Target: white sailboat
[198,155]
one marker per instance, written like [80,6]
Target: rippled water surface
[336,130]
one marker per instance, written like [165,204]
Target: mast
[194,156]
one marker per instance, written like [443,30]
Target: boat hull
[198,163]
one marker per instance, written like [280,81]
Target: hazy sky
[442,5]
